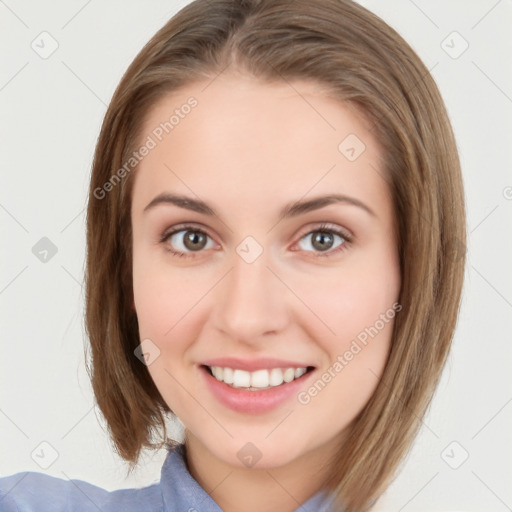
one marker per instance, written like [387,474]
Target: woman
[275,213]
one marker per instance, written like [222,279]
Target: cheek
[171,311]
[358,304]
[153,305]
[167,306]
[162,295]
[349,301]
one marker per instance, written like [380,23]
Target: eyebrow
[291,210]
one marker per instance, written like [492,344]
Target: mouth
[258,380]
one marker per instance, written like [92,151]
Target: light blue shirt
[177,491]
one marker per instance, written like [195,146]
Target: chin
[242,452]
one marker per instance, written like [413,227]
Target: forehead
[245,135]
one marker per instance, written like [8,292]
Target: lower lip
[253,402]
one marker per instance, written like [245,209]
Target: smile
[258,380]
[255,391]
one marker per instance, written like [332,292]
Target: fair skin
[247,150]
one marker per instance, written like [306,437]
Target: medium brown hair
[364,62]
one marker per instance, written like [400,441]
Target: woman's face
[263,240]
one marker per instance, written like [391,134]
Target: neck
[282,488]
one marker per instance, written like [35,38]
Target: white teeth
[259,379]
[228,375]
[241,379]
[299,372]
[218,372]
[289,374]
[276,377]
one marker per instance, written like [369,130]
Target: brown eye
[322,241]
[185,241]
[326,241]
[194,240]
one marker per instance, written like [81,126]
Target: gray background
[51,111]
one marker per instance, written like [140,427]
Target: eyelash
[326,228]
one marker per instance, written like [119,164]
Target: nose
[251,302]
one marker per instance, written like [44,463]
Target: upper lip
[264,363]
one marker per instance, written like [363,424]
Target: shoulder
[37,492]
